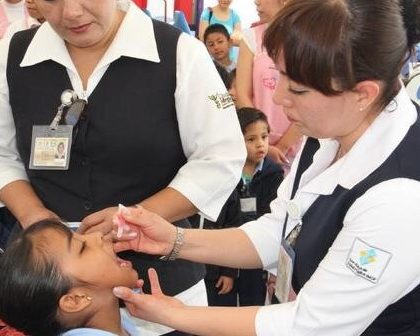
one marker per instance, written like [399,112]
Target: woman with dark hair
[343,231]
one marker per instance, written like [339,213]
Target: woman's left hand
[154,307]
[100,221]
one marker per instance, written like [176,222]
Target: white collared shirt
[211,137]
[336,301]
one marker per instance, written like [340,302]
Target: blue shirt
[126,322]
[229,23]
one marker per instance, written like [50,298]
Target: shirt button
[84,162]
[87,205]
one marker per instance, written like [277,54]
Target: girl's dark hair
[331,45]
[31,283]
[249,115]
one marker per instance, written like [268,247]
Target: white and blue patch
[367,261]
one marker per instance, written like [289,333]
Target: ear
[74,301]
[367,93]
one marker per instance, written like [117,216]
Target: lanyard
[306,159]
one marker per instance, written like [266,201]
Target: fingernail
[117,291]
[125,211]
[132,234]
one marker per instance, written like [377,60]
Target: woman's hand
[100,221]
[143,231]
[224,284]
[275,154]
[153,307]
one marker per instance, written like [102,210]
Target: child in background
[54,281]
[222,14]
[218,43]
[257,80]
[261,178]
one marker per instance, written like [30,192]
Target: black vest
[324,219]
[127,145]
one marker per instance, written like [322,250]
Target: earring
[87,297]
[361,108]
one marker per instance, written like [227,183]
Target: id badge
[249,204]
[284,291]
[50,149]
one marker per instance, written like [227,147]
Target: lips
[80,29]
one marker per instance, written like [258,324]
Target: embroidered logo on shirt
[222,100]
[366,261]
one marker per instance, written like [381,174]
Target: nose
[72,9]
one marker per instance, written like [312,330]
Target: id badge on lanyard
[51,144]
[283,289]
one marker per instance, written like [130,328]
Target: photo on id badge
[49,151]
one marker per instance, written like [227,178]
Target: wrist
[35,215]
[177,245]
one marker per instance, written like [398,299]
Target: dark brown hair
[250,115]
[340,41]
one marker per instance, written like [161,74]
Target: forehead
[216,36]
[256,127]
[53,241]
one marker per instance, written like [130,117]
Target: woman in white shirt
[344,229]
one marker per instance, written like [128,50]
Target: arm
[15,191]
[21,200]
[156,236]
[204,23]
[236,35]
[201,29]
[244,76]
[335,298]
[289,138]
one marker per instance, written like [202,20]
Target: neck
[107,316]
[222,9]
[347,141]
[225,62]
[249,168]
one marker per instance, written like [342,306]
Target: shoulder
[235,16]
[205,14]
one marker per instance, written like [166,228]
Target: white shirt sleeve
[11,166]
[336,301]
[210,133]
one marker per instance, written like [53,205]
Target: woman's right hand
[144,231]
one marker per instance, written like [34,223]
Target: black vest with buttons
[127,145]
[324,219]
